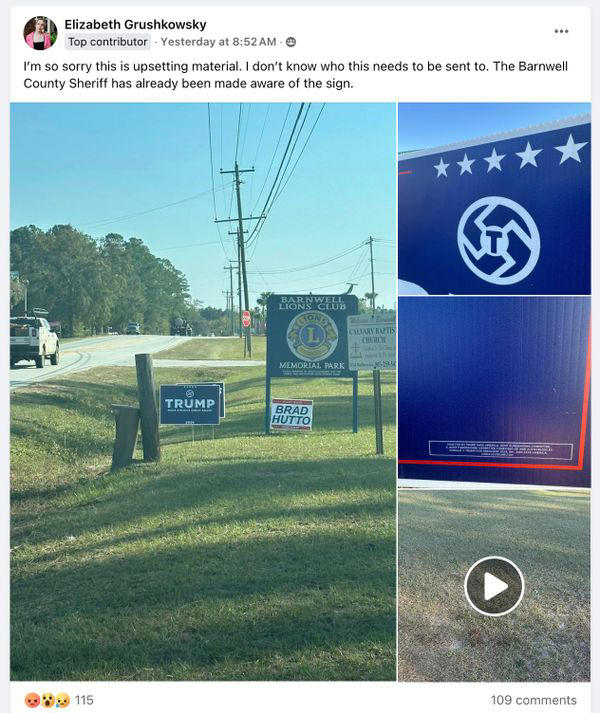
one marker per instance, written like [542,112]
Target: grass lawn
[242,557]
[214,348]
[440,638]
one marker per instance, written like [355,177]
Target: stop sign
[246,319]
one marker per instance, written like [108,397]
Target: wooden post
[148,407]
[127,419]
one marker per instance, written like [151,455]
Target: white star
[570,150]
[528,156]
[441,168]
[465,164]
[494,160]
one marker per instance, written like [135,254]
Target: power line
[310,133]
[272,158]
[260,138]
[107,221]
[283,158]
[245,131]
[361,258]
[189,245]
[315,264]
[255,234]
[212,180]
[262,131]
[300,279]
[237,138]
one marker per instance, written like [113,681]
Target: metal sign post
[378,412]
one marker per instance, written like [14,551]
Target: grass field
[214,348]
[242,557]
[440,638]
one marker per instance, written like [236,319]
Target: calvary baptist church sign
[505,214]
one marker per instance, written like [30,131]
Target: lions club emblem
[312,336]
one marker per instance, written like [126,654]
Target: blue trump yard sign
[502,215]
[190,404]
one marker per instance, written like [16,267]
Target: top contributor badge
[312,336]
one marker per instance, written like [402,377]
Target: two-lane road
[80,354]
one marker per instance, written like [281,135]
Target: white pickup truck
[32,339]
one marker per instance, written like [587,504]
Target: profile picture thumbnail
[40,33]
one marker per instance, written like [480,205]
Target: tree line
[89,285]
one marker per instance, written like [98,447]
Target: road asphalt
[115,350]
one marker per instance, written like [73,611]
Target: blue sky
[87,163]
[422,126]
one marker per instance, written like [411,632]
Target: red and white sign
[246,318]
[291,414]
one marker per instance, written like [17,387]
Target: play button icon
[494,586]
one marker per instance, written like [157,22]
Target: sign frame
[221,384]
[215,395]
[309,403]
[367,362]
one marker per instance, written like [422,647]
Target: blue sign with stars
[509,214]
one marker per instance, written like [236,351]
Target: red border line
[404,173]
[542,466]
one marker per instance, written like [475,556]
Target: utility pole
[377,405]
[239,276]
[370,241]
[230,305]
[237,171]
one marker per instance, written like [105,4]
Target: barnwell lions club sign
[306,335]
[505,214]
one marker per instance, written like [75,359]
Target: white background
[385,34]
[344,31]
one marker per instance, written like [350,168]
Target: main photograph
[202,373]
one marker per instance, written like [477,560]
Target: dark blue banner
[190,404]
[494,389]
[307,335]
[505,215]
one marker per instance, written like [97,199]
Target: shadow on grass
[238,568]
[72,418]
[242,486]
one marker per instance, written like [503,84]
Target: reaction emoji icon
[47,700]
[62,700]
[32,700]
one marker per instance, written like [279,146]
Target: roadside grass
[546,533]
[214,348]
[243,557]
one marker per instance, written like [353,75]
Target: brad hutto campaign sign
[504,214]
